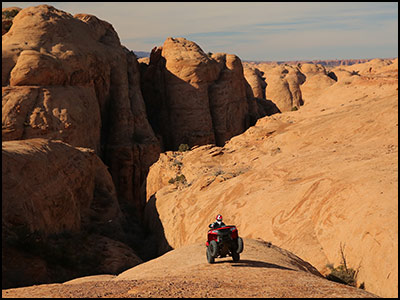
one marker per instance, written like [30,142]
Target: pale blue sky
[253,30]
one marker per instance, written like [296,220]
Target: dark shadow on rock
[267,106]
[247,263]
[332,75]
[155,243]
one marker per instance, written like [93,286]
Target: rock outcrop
[317,80]
[193,98]
[309,181]
[69,78]
[256,81]
[288,86]
[283,86]
[51,189]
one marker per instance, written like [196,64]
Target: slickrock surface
[263,271]
[307,180]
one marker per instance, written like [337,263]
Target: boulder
[256,80]
[283,85]
[64,188]
[53,112]
[317,80]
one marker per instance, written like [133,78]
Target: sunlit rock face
[196,98]
[68,77]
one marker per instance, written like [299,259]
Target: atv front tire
[210,258]
[213,248]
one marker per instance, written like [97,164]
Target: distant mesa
[323,62]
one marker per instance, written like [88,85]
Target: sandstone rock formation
[317,80]
[193,98]
[68,81]
[283,86]
[287,86]
[256,80]
[50,189]
[308,180]
[68,78]
[264,270]
[54,112]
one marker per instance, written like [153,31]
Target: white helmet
[219,218]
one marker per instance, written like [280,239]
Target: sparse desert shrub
[219,172]
[183,147]
[177,163]
[8,14]
[354,73]
[294,108]
[178,179]
[342,273]
[276,151]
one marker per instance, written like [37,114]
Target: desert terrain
[125,161]
[306,180]
[184,272]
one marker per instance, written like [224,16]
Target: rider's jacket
[215,225]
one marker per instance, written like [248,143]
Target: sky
[268,31]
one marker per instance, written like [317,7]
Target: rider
[218,223]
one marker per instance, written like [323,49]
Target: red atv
[224,241]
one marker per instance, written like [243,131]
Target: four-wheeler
[223,241]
